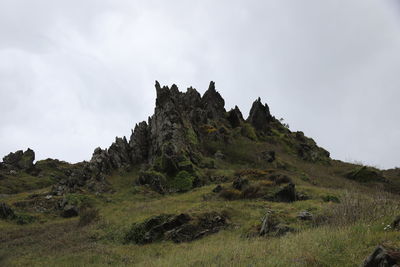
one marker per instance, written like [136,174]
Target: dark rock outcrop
[382,257]
[155,180]
[70,211]
[6,212]
[20,160]
[139,143]
[179,228]
[308,150]
[285,194]
[235,117]
[260,117]
[213,103]
[178,137]
[119,153]
[396,223]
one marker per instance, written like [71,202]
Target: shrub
[24,219]
[136,234]
[182,182]
[330,198]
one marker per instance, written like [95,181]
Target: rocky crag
[174,138]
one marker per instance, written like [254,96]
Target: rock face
[308,150]
[213,103]
[382,257]
[260,117]
[172,139]
[235,117]
[20,160]
[139,143]
[178,228]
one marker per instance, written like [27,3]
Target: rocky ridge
[172,140]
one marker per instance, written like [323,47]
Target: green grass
[334,240]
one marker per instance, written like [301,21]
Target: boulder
[382,257]
[285,193]
[70,211]
[217,189]
[155,180]
[178,228]
[239,183]
[305,216]
[6,212]
[396,223]
[272,227]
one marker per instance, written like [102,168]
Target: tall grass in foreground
[355,207]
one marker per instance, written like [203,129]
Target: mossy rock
[156,180]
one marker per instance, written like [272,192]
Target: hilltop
[197,184]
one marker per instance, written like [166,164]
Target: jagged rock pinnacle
[213,103]
[260,117]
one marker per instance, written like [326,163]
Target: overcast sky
[75,74]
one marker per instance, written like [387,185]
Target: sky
[76,74]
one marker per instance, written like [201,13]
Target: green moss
[249,131]
[192,136]
[182,182]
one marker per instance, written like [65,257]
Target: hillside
[197,185]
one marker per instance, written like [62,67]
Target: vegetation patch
[182,182]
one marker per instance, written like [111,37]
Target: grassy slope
[52,241]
